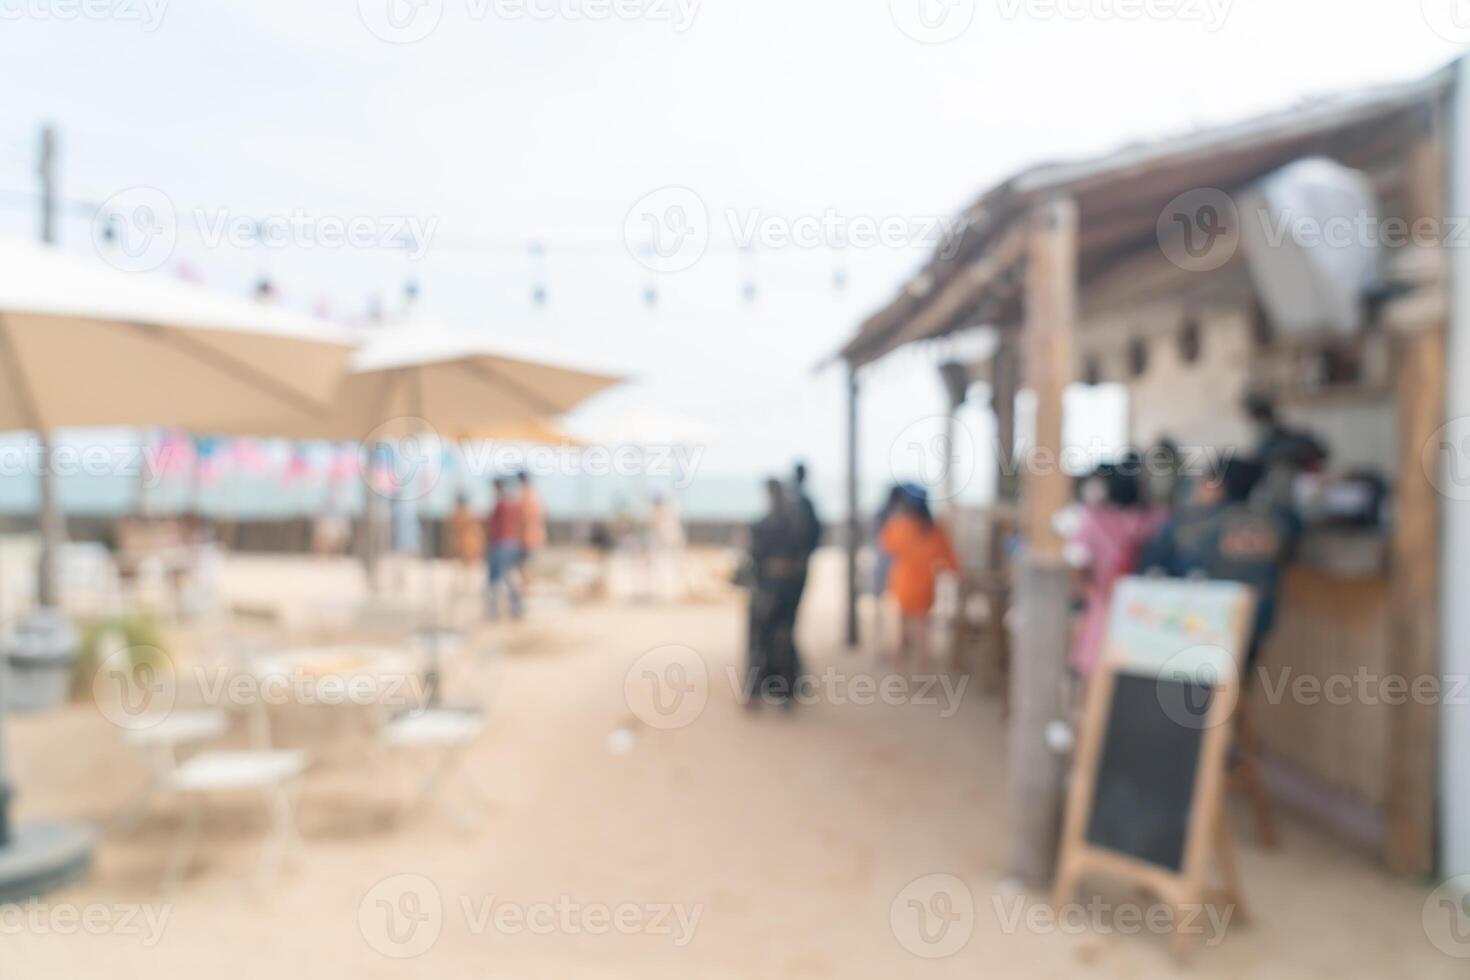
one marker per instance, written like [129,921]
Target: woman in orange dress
[920,550]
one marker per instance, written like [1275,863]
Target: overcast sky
[514,121]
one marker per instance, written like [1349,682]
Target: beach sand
[742,844]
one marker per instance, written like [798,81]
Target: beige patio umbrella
[531,432]
[86,344]
[421,375]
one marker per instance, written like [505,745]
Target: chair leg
[184,844]
[128,821]
[279,846]
[430,789]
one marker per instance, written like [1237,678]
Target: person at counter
[1283,453]
[1221,535]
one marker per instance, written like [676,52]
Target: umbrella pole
[39,857]
[52,529]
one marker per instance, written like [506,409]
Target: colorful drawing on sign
[1174,626]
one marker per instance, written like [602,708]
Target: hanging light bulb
[539,291]
[748,289]
[650,296]
[839,279]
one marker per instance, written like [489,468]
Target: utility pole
[51,519]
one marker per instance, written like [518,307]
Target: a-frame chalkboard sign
[1147,800]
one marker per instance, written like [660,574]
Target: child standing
[919,550]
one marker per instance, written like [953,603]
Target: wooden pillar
[1048,346]
[1004,384]
[1043,582]
[854,515]
[1414,725]
[1413,791]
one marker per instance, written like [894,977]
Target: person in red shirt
[503,537]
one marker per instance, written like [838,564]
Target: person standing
[504,534]
[777,558]
[1225,536]
[466,545]
[533,519]
[808,526]
[882,560]
[1282,452]
[920,550]
[1116,526]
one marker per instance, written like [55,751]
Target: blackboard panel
[1145,779]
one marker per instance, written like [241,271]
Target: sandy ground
[842,840]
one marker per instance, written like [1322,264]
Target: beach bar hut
[1155,268]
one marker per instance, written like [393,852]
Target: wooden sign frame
[1208,832]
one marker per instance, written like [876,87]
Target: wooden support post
[1051,323]
[1043,583]
[1413,728]
[854,516]
[1410,819]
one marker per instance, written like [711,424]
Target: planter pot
[40,655]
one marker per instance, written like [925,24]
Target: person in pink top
[1116,524]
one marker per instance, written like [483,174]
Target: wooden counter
[1321,734]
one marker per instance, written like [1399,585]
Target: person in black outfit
[778,559]
[809,531]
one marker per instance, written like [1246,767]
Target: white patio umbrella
[85,344]
[647,425]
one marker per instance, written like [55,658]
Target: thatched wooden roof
[974,278]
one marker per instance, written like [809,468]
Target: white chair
[162,739]
[160,743]
[445,734]
[277,775]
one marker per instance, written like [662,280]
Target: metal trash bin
[40,655]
